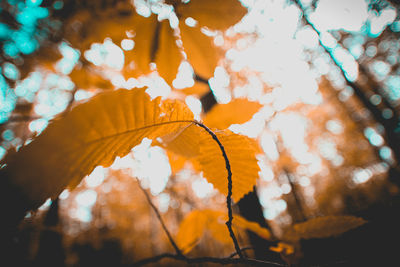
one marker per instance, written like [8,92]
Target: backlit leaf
[197,222]
[195,143]
[168,55]
[241,154]
[327,226]
[237,111]
[215,14]
[177,162]
[200,49]
[92,134]
[137,60]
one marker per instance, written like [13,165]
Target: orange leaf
[138,59]
[93,133]
[241,155]
[197,222]
[168,55]
[215,14]
[237,111]
[200,49]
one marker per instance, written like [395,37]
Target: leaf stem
[171,240]
[229,196]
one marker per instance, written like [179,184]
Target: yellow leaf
[200,49]
[138,59]
[187,143]
[238,111]
[195,143]
[327,226]
[241,155]
[215,14]
[92,134]
[191,229]
[168,55]
[197,222]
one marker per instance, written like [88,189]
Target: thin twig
[229,196]
[242,249]
[171,240]
[222,261]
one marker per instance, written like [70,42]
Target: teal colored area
[8,135]
[10,49]
[26,38]
[2,152]
[395,26]
[392,87]
[57,5]
[381,69]
[4,31]
[7,100]
[10,71]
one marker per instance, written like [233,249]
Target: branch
[222,261]
[171,240]
[391,138]
[242,249]
[229,196]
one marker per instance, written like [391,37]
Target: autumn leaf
[241,154]
[168,55]
[177,162]
[323,227]
[141,56]
[200,49]
[215,14]
[110,125]
[195,144]
[92,134]
[237,111]
[194,225]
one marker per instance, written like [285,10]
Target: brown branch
[171,240]
[242,249]
[222,261]
[229,196]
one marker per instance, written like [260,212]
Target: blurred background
[325,73]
